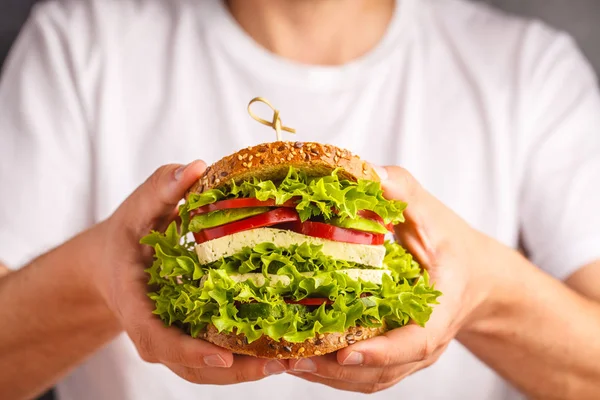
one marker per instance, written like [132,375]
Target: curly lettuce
[192,295]
[318,196]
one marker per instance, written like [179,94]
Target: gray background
[581,18]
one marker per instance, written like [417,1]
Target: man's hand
[445,245]
[122,282]
[488,304]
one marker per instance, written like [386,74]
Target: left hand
[454,254]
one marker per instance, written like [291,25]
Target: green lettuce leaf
[318,197]
[192,295]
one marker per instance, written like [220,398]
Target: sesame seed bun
[271,161]
[266,347]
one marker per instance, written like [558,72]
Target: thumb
[420,233]
[154,201]
[399,184]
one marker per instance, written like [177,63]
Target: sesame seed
[336,159]
[249,164]
[328,155]
[341,339]
[239,342]
[287,348]
[318,353]
[245,155]
[282,159]
[217,181]
[245,164]
[301,350]
[240,157]
[251,157]
[279,355]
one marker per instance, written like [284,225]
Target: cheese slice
[229,245]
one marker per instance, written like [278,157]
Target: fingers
[243,369]
[329,371]
[158,344]
[351,386]
[154,341]
[328,367]
[405,345]
[399,184]
[153,202]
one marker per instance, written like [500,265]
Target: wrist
[82,258]
[498,284]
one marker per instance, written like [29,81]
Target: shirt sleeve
[560,194]
[45,172]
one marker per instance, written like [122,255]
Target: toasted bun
[265,347]
[271,161]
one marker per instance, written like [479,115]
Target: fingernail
[305,365]
[274,367]
[179,172]
[215,360]
[381,172]
[354,358]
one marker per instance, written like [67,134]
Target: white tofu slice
[367,275]
[229,245]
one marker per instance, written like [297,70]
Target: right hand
[122,282]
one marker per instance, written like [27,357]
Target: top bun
[271,161]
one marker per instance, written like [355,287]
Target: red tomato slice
[310,301]
[269,218]
[368,214]
[330,232]
[241,203]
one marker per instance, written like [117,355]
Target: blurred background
[581,18]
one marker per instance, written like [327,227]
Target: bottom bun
[266,347]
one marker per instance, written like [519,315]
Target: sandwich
[285,250]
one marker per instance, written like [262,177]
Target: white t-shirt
[496,116]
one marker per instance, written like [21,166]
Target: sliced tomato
[310,301]
[373,216]
[242,203]
[269,218]
[330,232]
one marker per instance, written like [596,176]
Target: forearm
[537,333]
[52,319]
